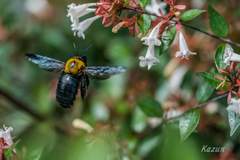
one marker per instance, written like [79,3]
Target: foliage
[126,124]
[217,23]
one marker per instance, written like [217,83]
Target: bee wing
[103,72]
[46,63]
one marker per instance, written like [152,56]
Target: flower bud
[140,35]
[117,27]
[177,14]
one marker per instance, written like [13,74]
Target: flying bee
[75,74]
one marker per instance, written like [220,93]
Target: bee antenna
[87,49]
[75,48]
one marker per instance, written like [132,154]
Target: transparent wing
[46,63]
[103,72]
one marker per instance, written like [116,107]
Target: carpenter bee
[75,73]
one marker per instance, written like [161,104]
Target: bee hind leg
[84,82]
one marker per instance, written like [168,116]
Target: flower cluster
[110,12]
[5,138]
[231,79]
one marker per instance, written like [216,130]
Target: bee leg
[84,82]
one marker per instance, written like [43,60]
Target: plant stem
[186,25]
[21,106]
[197,106]
[212,100]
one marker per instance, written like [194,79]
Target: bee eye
[72,64]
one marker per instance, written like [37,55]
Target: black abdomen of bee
[67,89]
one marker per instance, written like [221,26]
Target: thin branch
[197,106]
[212,100]
[21,106]
[186,25]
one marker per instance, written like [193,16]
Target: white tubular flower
[76,11]
[229,55]
[152,40]
[5,133]
[82,26]
[171,114]
[234,105]
[156,6]
[184,51]
[88,10]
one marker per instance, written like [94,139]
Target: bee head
[81,56]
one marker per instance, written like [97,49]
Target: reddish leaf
[131,31]
[178,26]
[222,92]
[181,7]
[229,98]
[218,77]
[136,27]
[225,70]
[219,85]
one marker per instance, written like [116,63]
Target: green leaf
[167,39]
[9,151]
[126,3]
[150,107]
[190,14]
[138,123]
[146,19]
[143,3]
[209,78]
[204,91]
[188,122]
[218,24]
[37,153]
[234,121]
[218,58]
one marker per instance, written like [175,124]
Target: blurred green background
[121,130]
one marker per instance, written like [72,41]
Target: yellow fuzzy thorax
[74,66]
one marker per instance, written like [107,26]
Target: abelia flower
[5,137]
[2,147]
[229,55]
[82,26]
[128,22]
[223,82]
[152,40]
[171,113]
[184,51]
[234,105]
[110,11]
[133,3]
[230,90]
[157,8]
[76,12]
[5,133]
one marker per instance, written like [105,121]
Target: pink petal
[222,92]
[225,70]
[234,92]
[219,85]
[218,77]
[178,26]
[5,147]
[229,98]
[181,7]
[136,27]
